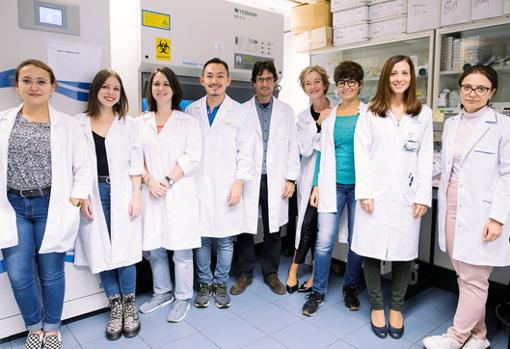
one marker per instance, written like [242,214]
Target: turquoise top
[343,136]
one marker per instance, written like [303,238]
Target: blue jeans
[22,260]
[225,252]
[328,224]
[120,280]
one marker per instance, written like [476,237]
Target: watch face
[171,181]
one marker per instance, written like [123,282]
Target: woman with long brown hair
[393,158]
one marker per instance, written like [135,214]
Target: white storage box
[455,11]
[506,7]
[388,28]
[313,39]
[347,35]
[341,5]
[387,10]
[486,8]
[348,17]
[423,15]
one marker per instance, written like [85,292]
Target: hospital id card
[410,145]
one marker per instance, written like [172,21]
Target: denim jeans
[328,224]
[224,252]
[161,280]
[120,280]
[40,308]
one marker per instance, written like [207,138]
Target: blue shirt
[343,136]
[264,113]
[212,114]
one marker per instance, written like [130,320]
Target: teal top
[343,137]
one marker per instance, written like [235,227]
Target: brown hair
[319,70]
[348,70]
[36,63]
[93,104]
[380,104]
[174,85]
[486,71]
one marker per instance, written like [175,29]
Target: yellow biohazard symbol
[163,49]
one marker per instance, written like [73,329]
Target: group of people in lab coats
[194,181]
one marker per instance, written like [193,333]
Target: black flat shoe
[396,333]
[304,289]
[292,289]
[381,332]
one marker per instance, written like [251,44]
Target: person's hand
[314,197]
[135,204]
[323,115]
[288,189]
[235,193]
[419,210]
[492,230]
[157,187]
[86,209]
[367,205]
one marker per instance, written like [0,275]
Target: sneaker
[314,301]
[221,296]
[53,341]
[34,341]
[131,321]
[203,295]
[274,284]
[441,342]
[157,301]
[476,343]
[351,298]
[178,310]
[241,284]
[114,326]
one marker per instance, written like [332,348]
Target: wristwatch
[77,203]
[170,181]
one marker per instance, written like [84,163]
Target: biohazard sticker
[163,49]
[155,20]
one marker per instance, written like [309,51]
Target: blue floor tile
[122,343]
[340,344]
[365,338]
[293,303]
[5,345]
[269,318]
[202,319]
[194,341]
[336,322]
[266,343]
[90,328]
[262,290]
[156,332]
[415,329]
[234,333]
[302,335]
[246,301]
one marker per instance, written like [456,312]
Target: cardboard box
[455,11]
[353,33]
[311,16]
[387,10]
[313,39]
[388,28]
[341,5]
[348,17]
[486,8]
[423,15]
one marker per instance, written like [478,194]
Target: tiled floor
[261,319]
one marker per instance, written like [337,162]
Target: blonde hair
[319,70]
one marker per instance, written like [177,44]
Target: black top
[102,159]
[315,116]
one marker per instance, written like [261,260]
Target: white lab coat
[327,172]
[483,189]
[94,246]
[227,149]
[395,179]
[71,176]
[171,222]
[282,164]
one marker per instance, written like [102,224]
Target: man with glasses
[275,170]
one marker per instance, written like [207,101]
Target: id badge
[410,145]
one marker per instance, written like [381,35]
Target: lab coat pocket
[227,136]
[281,134]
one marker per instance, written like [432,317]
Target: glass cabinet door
[372,58]
[459,50]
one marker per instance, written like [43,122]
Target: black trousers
[308,234]
[272,245]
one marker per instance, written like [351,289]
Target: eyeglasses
[350,83]
[479,90]
[261,80]
[26,82]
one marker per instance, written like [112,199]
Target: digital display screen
[51,16]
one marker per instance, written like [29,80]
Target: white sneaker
[178,310]
[476,343]
[441,342]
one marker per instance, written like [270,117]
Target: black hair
[215,60]
[260,66]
